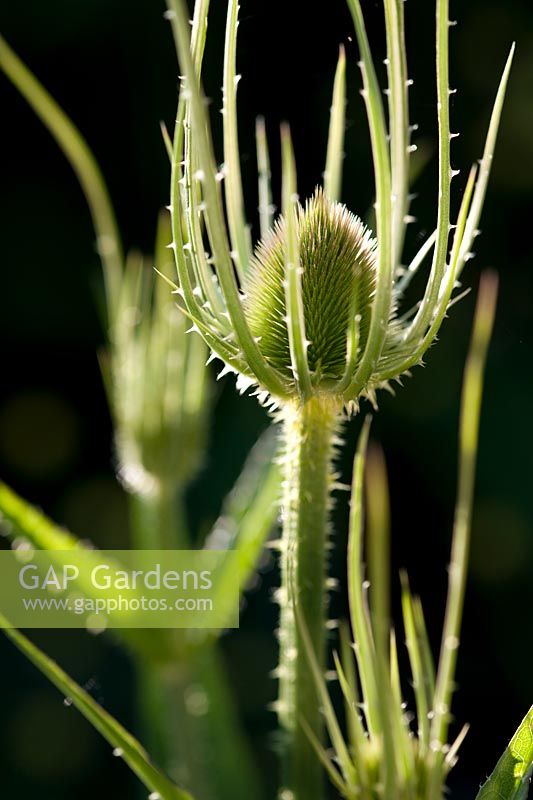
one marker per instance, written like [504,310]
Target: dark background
[111,66]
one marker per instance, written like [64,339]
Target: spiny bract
[338,263]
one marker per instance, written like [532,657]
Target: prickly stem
[309,433]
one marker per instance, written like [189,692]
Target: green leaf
[342,753]
[247,518]
[378,546]
[486,162]
[337,123]
[359,616]
[468,443]
[420,680]
[347,675]
[512,774]
[123,742]
[83,163]
[20,518]
[266,215]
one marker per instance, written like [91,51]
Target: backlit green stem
[186,708]
[191,726]
[309,432]
[157,523]
[158,520]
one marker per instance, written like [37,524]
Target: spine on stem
[309,432]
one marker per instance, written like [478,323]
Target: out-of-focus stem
[158,519]
[186,708]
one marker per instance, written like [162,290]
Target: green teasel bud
[337,257]
[157,381]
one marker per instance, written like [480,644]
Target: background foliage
[113,70]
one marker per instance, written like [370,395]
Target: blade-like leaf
[247,517]
[335,152]
[354,723]
[512,774]
[485,163]
[468,442]
[378,546]
[334,730]
[119,738]
[82,161]
[350,690]
[266,209]
[20,518]
[359,617]
[402,731]
[378,554]
[420,684]
[326,760]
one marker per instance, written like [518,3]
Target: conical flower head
[337,267]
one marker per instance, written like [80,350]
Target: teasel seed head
[337,267]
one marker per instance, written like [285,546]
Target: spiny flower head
[317,306]
[157,383]
[337,265]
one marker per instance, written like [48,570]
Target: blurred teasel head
[317,306]
[156,379]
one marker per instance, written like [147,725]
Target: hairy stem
[309,432]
